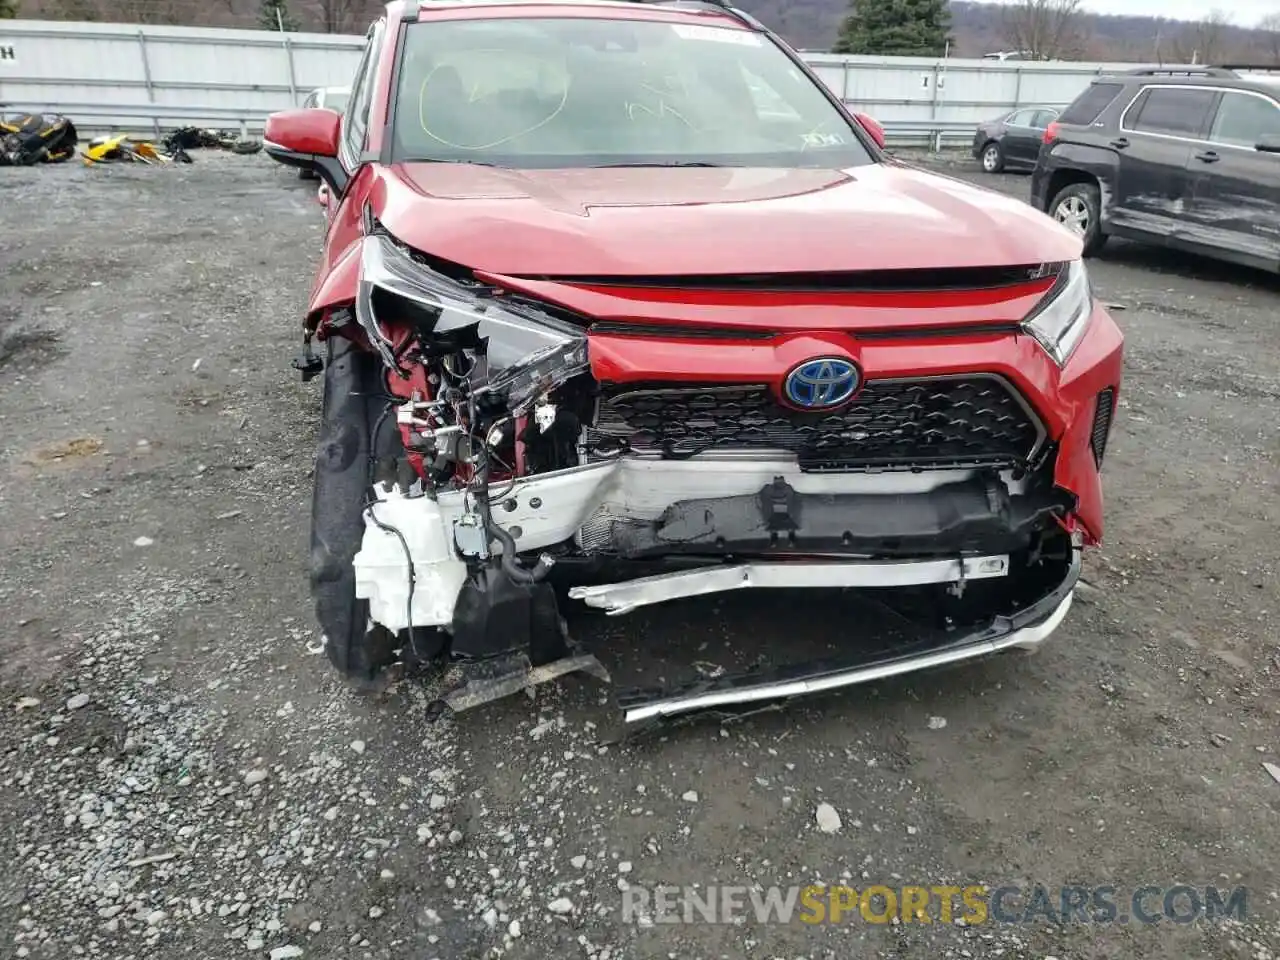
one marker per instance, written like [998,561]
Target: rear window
[1244,118]
[1176,111]
[1087,107]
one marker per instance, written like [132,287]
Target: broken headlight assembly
[1059,321]
[521,351]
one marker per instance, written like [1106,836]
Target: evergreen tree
[273,15]
[895,28]
[8,9]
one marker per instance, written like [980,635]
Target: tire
[1078,207]
[992,157]
[354,390]
[305,174]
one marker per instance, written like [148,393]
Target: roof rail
[1255,67]
[724,6]
[412,8]
[1188,70]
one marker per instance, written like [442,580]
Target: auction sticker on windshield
[717,35]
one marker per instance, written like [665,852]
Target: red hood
[672,221]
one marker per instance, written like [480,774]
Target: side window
[1244,119]
[1173,111]
[1021,118]
[1043,118]
[356,118]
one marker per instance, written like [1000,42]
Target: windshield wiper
[474,163]
[660,163]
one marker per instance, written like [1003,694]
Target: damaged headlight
[528,350]
[1060,319]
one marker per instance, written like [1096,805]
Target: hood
[664,221]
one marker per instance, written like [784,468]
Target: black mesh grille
[970,421]
[1102,416]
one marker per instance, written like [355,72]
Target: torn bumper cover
[778,527]
[1026,629]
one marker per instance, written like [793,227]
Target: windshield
[574,92]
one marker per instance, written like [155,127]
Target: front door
[1021,141]
[1234,202]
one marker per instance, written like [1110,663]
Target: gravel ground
[182,774]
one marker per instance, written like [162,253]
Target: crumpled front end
[949,470]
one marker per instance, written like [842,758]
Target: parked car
[1186,158]
[594,316]
[1013,55]
[1012,141]
[326,98]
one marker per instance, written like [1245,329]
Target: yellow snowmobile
[122,148]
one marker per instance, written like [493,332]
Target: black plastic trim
[972,516]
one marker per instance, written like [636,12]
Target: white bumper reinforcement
[617,598]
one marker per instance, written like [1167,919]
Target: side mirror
[1268,143]
[307,139]
[872,126]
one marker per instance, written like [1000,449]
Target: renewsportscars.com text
[974,904]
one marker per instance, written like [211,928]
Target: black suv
[1186,157]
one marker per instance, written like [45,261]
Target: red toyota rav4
[619,296]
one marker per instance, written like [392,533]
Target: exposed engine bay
[494,467]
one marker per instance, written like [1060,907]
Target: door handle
[1120,143]
[1208,156]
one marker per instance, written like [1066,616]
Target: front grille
[890,424]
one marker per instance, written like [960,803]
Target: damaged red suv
[619,297]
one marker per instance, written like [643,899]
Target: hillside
[977,28]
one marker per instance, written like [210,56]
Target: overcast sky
[1244,13]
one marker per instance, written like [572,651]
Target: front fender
[335,287]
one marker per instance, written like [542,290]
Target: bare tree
[1204,41]
[1270,27]
[338,16]
[78,10]
[1044,29]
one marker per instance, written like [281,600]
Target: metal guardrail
[932,133]
[245,118]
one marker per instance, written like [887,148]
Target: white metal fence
[132,77]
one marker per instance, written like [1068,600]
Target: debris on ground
[36,138]
[124,148]
[827,818]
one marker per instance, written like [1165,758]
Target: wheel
[354,388]
[992,158]
[304,174]
[1078,207]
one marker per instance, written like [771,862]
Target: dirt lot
[182,775]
